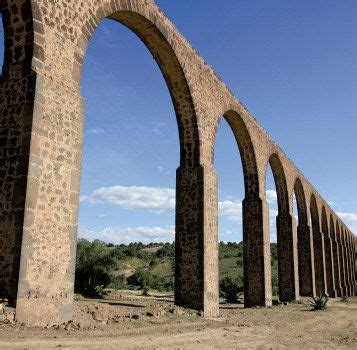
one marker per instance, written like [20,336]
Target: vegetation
[344,299]
[151,267]
[319,302]
[230,289]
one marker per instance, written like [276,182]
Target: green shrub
[230,288]
[93,265]
[319,302]
[344,299]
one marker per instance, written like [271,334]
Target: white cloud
[271,196]
[96,131]
[350,219]
[154,199]
[160,200]
[118,235]
[230,210]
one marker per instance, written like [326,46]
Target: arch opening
[231,191]
[320,278]
[304,242]
[186,125]
[285,235]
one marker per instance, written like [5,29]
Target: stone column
[256,253]
[343,266]
[349,258]
[352,267]
[337,266]
[287,258]
[329,261]
[49,234]
[196,244]
[347,267]
[17,94]
[319,261]
[306,260]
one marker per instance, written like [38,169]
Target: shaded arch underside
[280,183]
[246,151]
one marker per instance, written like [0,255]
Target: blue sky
[293,64]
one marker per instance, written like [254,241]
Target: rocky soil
[135,322]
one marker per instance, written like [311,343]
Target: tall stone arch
[286,235]
[305,244]
[319,253]
[329,258]
[339,231]
[46,155]
[256,244]
[336,256]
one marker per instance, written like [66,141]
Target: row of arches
[40,92]
[314,254]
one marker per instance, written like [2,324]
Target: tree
[93,263]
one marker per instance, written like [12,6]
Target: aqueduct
[41,122]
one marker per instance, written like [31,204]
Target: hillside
[151,266]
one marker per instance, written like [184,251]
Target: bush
[319,302]
[229,289]
[344,299]
[144,279]
[93,264]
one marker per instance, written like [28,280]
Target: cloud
[230,210]
[350,219]
[119,235]
[160,200]
[271,196]
[96,131]
[154,199]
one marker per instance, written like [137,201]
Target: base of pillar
[38,312]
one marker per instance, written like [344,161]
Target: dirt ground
[135,322]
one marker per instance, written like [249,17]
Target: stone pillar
[329,264]
[256,253]
[17,93]
[347,266]
[49,233]
[319,262]
[337,266]
[352,266]
[343,266]
[287,258]
[306,260]
[196,244]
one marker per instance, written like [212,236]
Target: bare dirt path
[281,327]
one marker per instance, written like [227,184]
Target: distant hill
[137,264]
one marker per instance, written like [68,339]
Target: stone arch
[304,244]
[286,235]
[319,260]
[336,255]
[256,249]
[301,202]
[284,206]
[246,151]
[330,283]
[157,42]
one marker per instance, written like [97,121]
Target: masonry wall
[41,125]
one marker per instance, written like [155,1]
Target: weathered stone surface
[41,127]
